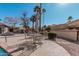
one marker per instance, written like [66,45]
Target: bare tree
[10,22]
[25,22]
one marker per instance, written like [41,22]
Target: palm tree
[70,19]
[33,20]
[39,10]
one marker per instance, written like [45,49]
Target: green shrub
[48,29]
[52,36]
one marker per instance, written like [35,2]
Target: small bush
[52,36]
[48,29]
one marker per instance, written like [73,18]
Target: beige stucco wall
[68,34]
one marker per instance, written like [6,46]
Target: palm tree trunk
[43,19]
[33,25]
[40,18]
[36,25]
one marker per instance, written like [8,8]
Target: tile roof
[2,24]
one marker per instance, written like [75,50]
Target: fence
[68,34]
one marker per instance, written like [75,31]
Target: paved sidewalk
[71,47]
[50,48]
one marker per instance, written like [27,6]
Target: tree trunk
[33,25]
[5,36]
[43,20]
[36,25]
[24,32]
[40,19]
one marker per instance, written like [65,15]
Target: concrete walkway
[71,47]
[50,48]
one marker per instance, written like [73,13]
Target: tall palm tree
[39,10]
[33,20]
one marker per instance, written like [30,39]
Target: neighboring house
[21,29]
[3,28]
[71,25]
[58,27]
[74,24]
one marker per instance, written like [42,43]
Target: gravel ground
[14,44]
[71,47]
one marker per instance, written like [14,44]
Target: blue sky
[56,13]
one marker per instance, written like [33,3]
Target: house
[3,28]
[71,25]
[58,27]
[74,24]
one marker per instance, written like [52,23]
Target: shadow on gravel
[73,41]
